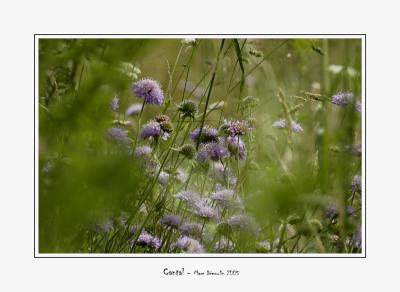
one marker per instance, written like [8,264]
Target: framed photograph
[206,146]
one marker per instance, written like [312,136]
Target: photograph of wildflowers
[210,146]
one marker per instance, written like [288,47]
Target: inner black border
[299,256]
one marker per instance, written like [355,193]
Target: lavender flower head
[134,109]
[223,197]
[342,98]
[188,197]
[114,104]
[203,210]
[356,184]
[296,127]
[279,124]
[171,220]
[330,212]
[143,152]
[235,128]
[146,239]
[183,242]
[151,129]
[150,90]
[236,147]
[119,136]
[191,228]
[208,134]
[214,151]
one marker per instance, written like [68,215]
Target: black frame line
[130,256]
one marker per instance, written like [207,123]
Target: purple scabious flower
[223,197]
[188,197]
[183,242]
[150,90]
[208,135]
[143,152]
[203,210]
[296,127]
[236,128]
[358,106]
[342,98]
[214,151]
[146,239]
[356,184]
[151,129]
[114,104]
[119,136]
[171,220]
[191,228]
[195,246]
[279,124]
[134,109]
[351,211]
[235,144]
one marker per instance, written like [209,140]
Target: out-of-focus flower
[146,239]
[143,152]
[214,151]
[150,90]
[342,98]
[188,197]
[119,136]
[351,211]
[356,184]
[163,178]
[203,210]
[114,104]
[235,128]
[279,124]
[236,147]
[183,242]
[171,220]
[134,109]
[151,129]
[296,127]
[223,197]
[208,135]
[191,228]
[180,176]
